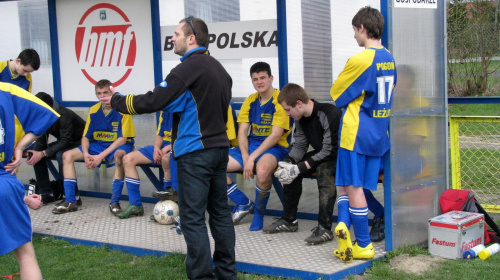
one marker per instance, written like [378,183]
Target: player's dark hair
[45,98]
[259,67]
[291,93]
[30,57]
[372,20]
[103,83]
[199,29]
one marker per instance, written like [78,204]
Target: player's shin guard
[359,217]
[261,199]
[133,188]
[343,210]
[116,192]
[70,190]
[237,196]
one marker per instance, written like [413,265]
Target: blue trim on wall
[155,27]
[282,42]
[113,247]
[54,45]
[388,202]
[474,100]
[384,9]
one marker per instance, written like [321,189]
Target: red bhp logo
[105,44]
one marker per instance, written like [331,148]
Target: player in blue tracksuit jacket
[364,91]
[23,117]
[197,91]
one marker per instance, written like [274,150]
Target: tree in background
[473,42]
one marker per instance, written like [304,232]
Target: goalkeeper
[316,125]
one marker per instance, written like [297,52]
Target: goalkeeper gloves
[286,172]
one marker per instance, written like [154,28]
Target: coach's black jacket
[198,92]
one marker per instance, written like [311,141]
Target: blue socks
[166,183]
[261,199]
[359,218]
[343,210]
[373,204]
[70,190]
[134,194]
[116,193]
[237,196]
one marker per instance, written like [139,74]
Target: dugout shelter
[305,42]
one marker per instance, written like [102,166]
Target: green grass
[474,110]
[58,259]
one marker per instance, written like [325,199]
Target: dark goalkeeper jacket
[67,129]
[320,130]
[198,92]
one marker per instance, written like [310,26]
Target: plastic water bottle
[473,252]
[490,251]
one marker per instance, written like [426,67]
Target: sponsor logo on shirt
[105,136]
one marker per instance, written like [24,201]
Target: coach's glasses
[190,21]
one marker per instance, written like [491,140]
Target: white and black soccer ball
[165,211]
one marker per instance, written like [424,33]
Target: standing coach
[198,92]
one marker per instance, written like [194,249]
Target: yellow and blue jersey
[165,127]
[20,113]
[364,91]
[6,76]
[232,127]
[106,128]
[262,118]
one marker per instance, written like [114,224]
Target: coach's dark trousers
[202,187]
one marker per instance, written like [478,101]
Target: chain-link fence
[475,158]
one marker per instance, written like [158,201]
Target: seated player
[263,140]
[158,153]
[18,71]
[68,131]
[316,126]
[108,136]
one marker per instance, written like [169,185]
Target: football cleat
[131,210]
[241,211]
[345,244]
[65,207]
[281,225]
[319,235]
[115,208]
[366,253]
[377,232]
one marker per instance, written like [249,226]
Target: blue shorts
[357,170]
[95,148]
[15,222]
[148,152]
[278,152]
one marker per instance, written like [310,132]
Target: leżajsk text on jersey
[364,90]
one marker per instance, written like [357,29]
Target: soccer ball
[165,211]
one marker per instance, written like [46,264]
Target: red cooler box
[455,232]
